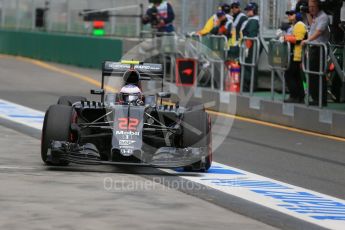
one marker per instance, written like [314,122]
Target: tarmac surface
[34,196]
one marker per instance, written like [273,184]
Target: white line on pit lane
[304,204]
[21,114]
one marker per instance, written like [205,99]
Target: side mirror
[164,95]
[97,91]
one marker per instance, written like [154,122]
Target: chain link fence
[63,15]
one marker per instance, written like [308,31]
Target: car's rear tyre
[70,100]
[197,133]
[57,127]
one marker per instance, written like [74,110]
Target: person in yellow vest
[234,37]
[214,19]
[293,76]
[222,25]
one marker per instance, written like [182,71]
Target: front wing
[165,157]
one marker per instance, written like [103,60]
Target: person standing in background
[250,29]
[293,75]
[221,25]
[212,21]
[319,33]
[227,10]
[302,7]
[161,16]
[234,38]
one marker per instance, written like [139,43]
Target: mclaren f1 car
[127,128]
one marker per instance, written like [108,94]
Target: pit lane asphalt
[307,161]
[34,196]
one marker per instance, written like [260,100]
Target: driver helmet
[131,76]
[130,93]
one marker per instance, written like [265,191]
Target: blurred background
[63,15]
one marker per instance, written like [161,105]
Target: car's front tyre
[56,127]
[197,133]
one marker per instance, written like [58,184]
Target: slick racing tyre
[197,133]
[70,100]
[57,127]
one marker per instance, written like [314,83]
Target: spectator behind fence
[250,29]
[318,33]
[234,38]
[227,10]
[293,75]
[212,21]
[160,15]
[222,25]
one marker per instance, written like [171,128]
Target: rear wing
[110,68]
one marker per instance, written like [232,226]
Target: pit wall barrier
[298,116]
[62,48]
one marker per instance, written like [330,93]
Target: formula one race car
[127,128]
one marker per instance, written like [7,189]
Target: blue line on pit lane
[27,116]
[216,170]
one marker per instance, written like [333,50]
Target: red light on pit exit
[98,24]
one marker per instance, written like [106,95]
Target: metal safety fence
[209,50]
[214,50]
[322,68]
[218,45]
[279,54]
[249,58]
